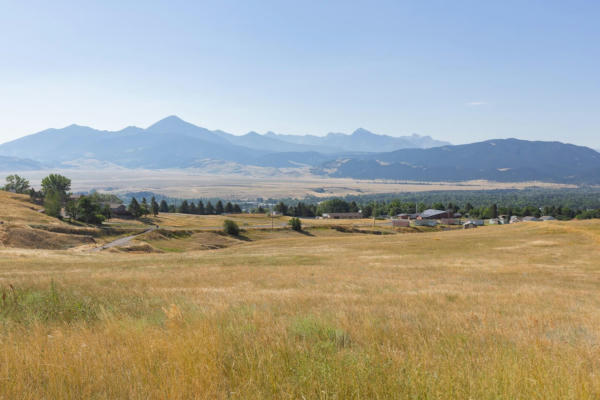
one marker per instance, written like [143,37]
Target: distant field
[264,183]
[509,312]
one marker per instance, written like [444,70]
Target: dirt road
[122,241]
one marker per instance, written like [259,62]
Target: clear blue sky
[461,71]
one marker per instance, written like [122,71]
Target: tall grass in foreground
[260,351]
[498,313]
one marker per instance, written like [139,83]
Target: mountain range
[174,143]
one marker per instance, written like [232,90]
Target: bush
[295,224]
[231,228]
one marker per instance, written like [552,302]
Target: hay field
[497,312]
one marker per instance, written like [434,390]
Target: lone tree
[231,228]
[154,207]
[144,207]
[209,208]
[219,208]
[57,184]
[200,209]
[184,208]
[134,208]
[17,184]
[164,207]
[295,224]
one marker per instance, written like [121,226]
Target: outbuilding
[400,223]
[348,215]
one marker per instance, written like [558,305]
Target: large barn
[435,214]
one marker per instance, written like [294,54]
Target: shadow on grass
[242,237]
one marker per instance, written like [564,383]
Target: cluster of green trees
[295,210]
[16,184]
[190,207]
[87,209]
[143,208]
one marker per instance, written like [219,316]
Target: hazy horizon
[459,72]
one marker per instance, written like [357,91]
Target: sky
[461,71]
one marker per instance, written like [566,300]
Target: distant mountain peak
[362,132]
[170,122]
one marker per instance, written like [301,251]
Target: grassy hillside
[495,312]
[16,208]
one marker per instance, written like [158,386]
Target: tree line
[199,208]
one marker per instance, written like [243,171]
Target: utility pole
[374,212]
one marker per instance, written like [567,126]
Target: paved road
[122,241]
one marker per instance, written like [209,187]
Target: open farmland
[494,312]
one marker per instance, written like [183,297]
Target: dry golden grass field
[499,312]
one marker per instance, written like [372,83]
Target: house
[530,219]
[514,219]
[469,225]
[425,222]
[548,218]
[495,221]
[118,210]
[348,215]
[407,216]
[398,223]
[435,214]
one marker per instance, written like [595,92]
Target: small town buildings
[118,210]
[514,219]
[495,221]
[435,214]
[348,215]
[530,219]
[469,225]
[548,218]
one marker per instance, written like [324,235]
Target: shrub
[295,224]
[231,228]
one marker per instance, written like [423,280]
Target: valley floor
[253,183]
[496,312]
